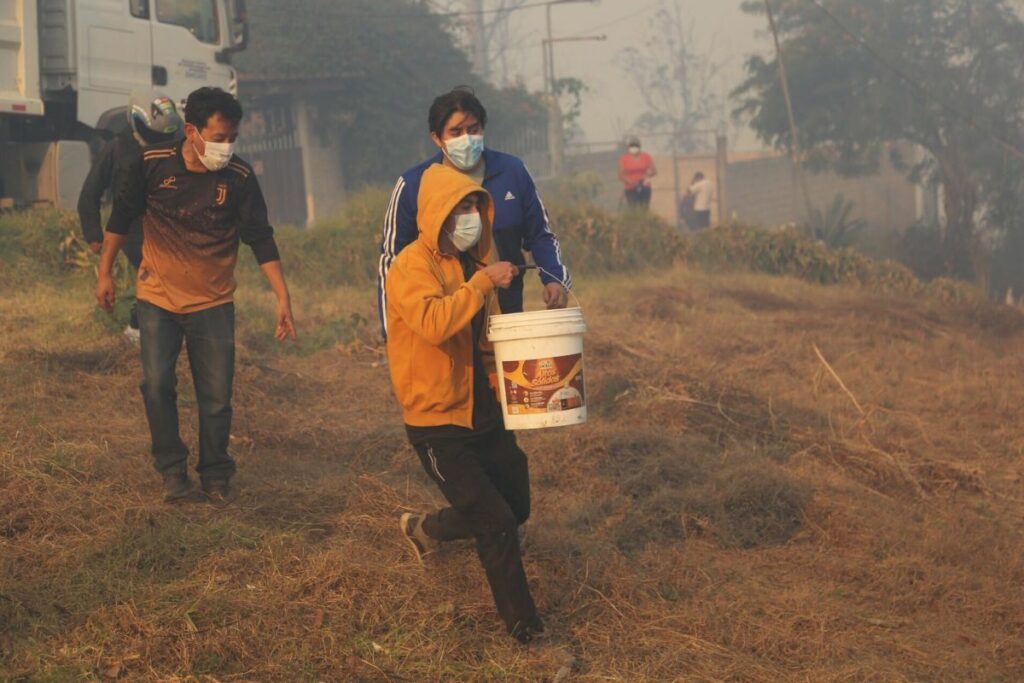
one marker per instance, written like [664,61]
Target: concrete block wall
[765,191]
[761,189]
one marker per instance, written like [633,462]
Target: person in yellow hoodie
[440,292]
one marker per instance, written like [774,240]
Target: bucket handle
[534,266]
[579,304]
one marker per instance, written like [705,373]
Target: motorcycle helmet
[153,118]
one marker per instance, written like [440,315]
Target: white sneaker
[412,530]
[132,334]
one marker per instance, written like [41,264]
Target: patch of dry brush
[739,507]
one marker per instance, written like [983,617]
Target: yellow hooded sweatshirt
[431,306]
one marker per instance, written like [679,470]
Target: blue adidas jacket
[520,224]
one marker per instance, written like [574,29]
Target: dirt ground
[778,482]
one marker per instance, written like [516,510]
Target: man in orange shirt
[440,292]
[197,201]
[636,168]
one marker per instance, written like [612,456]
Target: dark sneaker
[412,529]
[219,491]
[178,488]
[529,631]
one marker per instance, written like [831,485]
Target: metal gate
[269,141]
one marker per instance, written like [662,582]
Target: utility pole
[478,38]
[556,142]
[677,194]
[555,126]
[549,53]
[794,146]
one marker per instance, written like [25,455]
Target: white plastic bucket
[540,367]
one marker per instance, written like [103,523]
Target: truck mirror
[140,9]
[238,25]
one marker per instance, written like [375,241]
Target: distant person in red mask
[636,168]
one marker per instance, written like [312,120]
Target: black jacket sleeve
[100,177]
[255,227]
[129,195]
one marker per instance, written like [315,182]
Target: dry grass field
[779,481]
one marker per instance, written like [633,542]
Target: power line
[337,12]
[916,84]
[635,13]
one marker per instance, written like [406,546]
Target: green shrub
[45,243]
[339,251]
[344,251]
[786,252]
[595,241]
[923,249]
[32,240]
[835,226]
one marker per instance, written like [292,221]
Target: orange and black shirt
[192,224]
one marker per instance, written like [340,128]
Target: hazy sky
[613,102]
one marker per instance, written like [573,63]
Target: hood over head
[441,190]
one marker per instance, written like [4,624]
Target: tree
[493,25]
[389,59]
[675,81]
[941,74]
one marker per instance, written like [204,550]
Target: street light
[549,53]
[549,43]
[555,141]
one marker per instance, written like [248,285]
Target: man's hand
[555,295]
[95,247]
[105,292]
[285,321]
[501,274]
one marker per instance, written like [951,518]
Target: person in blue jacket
[457,120]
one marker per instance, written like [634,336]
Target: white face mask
[468,229]
[634,150]
[217,155]
[465,152]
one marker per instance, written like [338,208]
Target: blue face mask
[465,152]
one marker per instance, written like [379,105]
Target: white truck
[68,67]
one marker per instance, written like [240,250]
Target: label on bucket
[545,385]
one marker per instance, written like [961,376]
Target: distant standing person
[152,119]
[636,168]
[703,192]
[197,201]
[457,120]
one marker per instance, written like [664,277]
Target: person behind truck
[703,194]
[197,200]
[457,120]
[440,293]
[636,168]
[152,119]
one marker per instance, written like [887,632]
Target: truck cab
[68,68]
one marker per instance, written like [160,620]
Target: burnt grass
[729,511]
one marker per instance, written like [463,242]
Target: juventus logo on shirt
[222,193]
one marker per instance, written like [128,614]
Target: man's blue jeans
[209,336]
